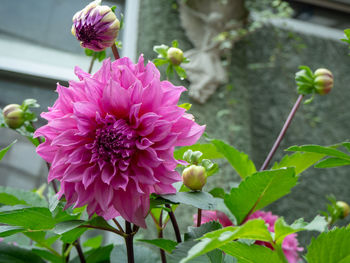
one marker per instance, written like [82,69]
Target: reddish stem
[115,52]
[282,133]
[174,223]
[199,217]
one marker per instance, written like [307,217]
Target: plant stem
[199,217]
[92,63]
[118,225]
[282,133]
[105,229]
[115,51]
[129,242]
[80,251]
[175,225]
[160,235]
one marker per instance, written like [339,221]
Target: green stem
[92,63]
[280,252]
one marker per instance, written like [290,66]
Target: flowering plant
[116,142]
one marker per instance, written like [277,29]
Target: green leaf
[89,52]
[29,103]
[142,254]
[332,162]
[197,232]
[66,226]
[47,255]
[239,160]
[113,8]
[10,230]
[5,150]
[209,151]
[181,252]
[250,254]
[160,61]
[12,196]
[332,246]
[300,161]
[30,218]
[181,72]
[169,71]
[161,50]
[99,255]
[330,151]
[72,235]
[175,43]
[201,200]
[254,229]
[186,106]
[282,229]
[165,244]
[15,254]
[217,192]
[93,242]
[100,55]
[259,190]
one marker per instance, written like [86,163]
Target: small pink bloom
[290,244]
[111,136]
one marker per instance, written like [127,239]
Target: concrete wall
[250,115]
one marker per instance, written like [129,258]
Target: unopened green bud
[13,116]
[344,207]
[323,81]
[175,55]
[194,177]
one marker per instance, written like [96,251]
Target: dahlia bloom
[96,26]
[110,139]
[290,243]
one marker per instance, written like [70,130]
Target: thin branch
[199,217]
[282,133]
[118,225]
[160,235]
[80,251]
[115,51]
[129,242]
[105,229]
[175,225]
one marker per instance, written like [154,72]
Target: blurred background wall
[37,50]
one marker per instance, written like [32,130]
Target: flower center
[114,141]
[86,33]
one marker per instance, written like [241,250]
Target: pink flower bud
[344,208]
[323,81]
[13,116]
[96,26]
[175,55]
[194,177]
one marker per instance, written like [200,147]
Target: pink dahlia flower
[110,139]
[290,244]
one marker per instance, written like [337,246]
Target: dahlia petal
[67,138]
[115,100]
[146,123]
[143,143]
[104,73]
[81,74]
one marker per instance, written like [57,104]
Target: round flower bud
[323,81]
[96,26]
[175,55]
[344,208]
[13,116]
[194,177]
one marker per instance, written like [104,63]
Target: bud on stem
[13,116]
[194,177]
